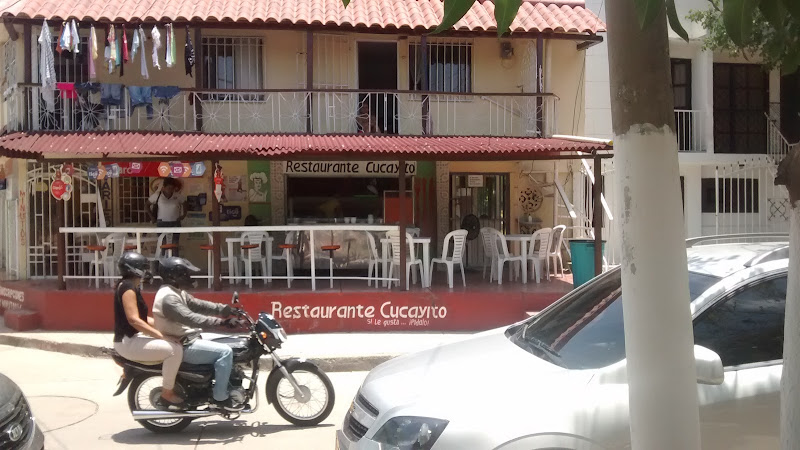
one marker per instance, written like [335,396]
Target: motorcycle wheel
[142,394]
[317,390]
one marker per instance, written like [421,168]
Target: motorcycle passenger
[177,312]
[135,338]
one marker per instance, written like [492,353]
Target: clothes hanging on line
[188,54]
[111,94]
[141,96]
[47,69]
[67,90]
[165,93]
[155,35]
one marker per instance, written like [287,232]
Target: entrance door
[485,196]
[790,107]
[377,73]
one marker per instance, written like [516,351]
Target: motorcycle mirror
[235,298]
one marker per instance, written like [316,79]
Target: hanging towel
[156,36]
[92,53]
[47,68]
[125,57]
[142,40]
[118,62]
[172,44]
[134,44]
[76,38]
[59,49]
[107,58]
[112,42]
[67,90]
[188,54]
[167,53]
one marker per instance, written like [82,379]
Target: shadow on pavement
[210,432]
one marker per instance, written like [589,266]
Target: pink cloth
[67,90]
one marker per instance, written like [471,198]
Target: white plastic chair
[412,260]
[503,257]
[253,253]
[376,260]
[459,239]
[209,249]
[286,255]
[554,252]
[489,250]
[104,262]
[538,252]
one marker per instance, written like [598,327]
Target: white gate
[84,209]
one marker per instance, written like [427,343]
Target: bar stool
[286,254]
[330,249]
[253,254]
[209,249]
[99,261]
[168,248]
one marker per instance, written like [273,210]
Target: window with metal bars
[449,66]
[71,67]
[132,196]
[233,63]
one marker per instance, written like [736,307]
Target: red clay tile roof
[561,16]
[126,144]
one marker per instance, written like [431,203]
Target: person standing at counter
[168,207]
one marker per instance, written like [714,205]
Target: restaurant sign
[347,168]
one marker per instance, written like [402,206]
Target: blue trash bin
[582,251]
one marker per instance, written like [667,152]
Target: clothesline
[115,55]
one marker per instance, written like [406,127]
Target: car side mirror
[708,365]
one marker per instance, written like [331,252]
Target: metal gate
[84,209]
[487,197]
[9,243]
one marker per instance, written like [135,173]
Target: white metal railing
[137,236]
[777,145]
[318,111]
[689,129]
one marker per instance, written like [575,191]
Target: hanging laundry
[172,44]
[167,52]
[156,36]
[107,58]
[188,53]
[134,45]
[111,94]
[67,90]
[142,40]
[125,57]
[112,43]
[47,68]
[141,96]
[118,62]
[165,93]
[59,49]
[75,45]
[92,53]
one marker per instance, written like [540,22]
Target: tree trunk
[789,176]
[658,327]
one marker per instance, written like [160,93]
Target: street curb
[327,364]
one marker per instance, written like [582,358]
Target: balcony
[294,111]
[690,131]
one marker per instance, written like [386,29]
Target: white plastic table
[523,240]
[426,257]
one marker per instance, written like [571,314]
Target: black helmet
[132,264]
[177,272]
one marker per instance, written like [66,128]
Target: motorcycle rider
[177,314]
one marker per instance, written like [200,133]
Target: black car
[18,428]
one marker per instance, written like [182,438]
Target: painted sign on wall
[348,168]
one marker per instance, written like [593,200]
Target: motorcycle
[299,390]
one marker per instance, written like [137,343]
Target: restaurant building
[313,120]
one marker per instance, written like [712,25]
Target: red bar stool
[330,249]
[131,248]
[168,248]
[99,261]
[287,255]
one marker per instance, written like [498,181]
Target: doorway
[377,72]
[790,107]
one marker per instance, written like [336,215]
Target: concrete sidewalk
[334,352]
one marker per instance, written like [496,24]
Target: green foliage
[777,46]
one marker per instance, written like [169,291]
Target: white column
[703,94]
[692,206]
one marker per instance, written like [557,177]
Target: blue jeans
[210,352]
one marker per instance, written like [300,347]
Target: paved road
[71,398]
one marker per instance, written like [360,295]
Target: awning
[554,16]
[132,144]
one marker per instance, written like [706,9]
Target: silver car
[18,428]
[558,379]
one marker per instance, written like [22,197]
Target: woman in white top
[170,208]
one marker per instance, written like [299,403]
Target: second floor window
[449,67]
[233,63]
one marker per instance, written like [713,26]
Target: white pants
[146,349]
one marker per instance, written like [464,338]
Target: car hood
[9,396]
[487,369]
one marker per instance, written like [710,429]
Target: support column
[597,218]
[426,101]
[540,84]
[61,246]
[199,74]
[217,252]
[28,72]
[402,222]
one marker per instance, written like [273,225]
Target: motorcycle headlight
[410,433]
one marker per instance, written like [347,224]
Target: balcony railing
[690,130]
[289,111]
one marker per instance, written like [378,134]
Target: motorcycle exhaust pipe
[155,414]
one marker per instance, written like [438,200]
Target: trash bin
[582,251]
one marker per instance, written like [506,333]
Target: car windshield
[585,331]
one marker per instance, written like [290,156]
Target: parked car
[18,428]
[558,379]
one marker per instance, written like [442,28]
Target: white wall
[597,102]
